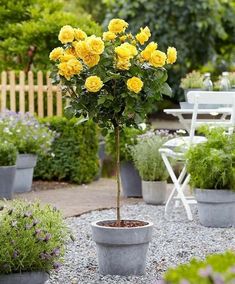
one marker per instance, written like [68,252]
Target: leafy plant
[211,165]
[216,268]
[32,237]
[231,78]
[74,152]
[25,132]
[8,154]
[193,80]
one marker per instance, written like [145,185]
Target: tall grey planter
[131,181]
[24,172]
[24,278]
[122,251]
[154,192]
[216,208]
[7,176]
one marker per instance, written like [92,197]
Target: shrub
[8,154]
[193,80]
[217,268]
[74,153]
[25,132]
[32,237]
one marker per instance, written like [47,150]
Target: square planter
[7,176]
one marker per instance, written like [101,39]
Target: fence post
[12,91]
[3,90]
[49,96]
[40,94]
[22,94]
[31,92]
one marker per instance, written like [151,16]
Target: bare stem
[117,140]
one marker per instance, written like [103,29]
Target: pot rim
[94,224]
[26,155]
[8,167]
[211,190]
[155,181]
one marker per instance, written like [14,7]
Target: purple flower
[47,237]
[205,272]
[28,214]
[15,254]
[56,265]
[55,252]
[35,222]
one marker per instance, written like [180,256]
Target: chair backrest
[213,98]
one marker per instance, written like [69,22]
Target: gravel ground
[175,240]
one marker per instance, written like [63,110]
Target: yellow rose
[95,45]
[64,70]
[132,48]
[117,26]
[79,34]
[135,84]
[158,58]
[66,34]
[171,55]
[56,53]
[74,66]
[123,52]
[108,36]
[81,48]
[144,35]
[66,57]
[123,64]
[70,51]
[123,38]
[149,49]
[91,59]
[93,84]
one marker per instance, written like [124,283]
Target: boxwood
[74,152]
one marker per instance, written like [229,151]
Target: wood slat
[12,91]
[49,96]
[21,92]
[3,90]
[59,103]
[40,94]
[31,92]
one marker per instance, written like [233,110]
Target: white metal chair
[175,148]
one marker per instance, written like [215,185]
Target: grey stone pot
[24,278]
[122,251]
[154,192]
[216,208]
[7,176]
[24,172]
[131,181]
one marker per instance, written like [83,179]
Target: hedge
[74,153]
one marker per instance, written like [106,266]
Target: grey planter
[24,172]
[24,278]
[154,192]
[122,251]
[216,208]
[131,181]
[7,175]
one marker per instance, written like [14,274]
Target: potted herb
[115,82]
[32,242]
[130,178]
[149,163]
[211,166]
[231,77]
[8,155]
[30,139]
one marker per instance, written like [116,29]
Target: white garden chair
[175,149]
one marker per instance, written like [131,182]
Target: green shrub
[32,237]
[74,153]
[193,80]
[217,268]
[8,154]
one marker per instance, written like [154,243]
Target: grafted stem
[117,143]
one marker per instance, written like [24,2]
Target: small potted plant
[30,138]
[231,77]
[130,178]
[211,166]
[8,154]
[32,242]
[149,163]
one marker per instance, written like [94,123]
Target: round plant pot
[154,192]
[131,181]
[24,172]
[24,278]
[7,176]
[216,208]
[121,250]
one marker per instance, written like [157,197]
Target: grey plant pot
[24,278]
[216,208]
[7,175]
[24,172]
[154,192]
[122,251]
[131,181]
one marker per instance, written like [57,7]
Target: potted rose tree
[114,82]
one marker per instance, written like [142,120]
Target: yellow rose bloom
[56,53]
[79,34]
[171,55]
[91,59]
[158,58]
[93,84]
[117,26]
[123,64]
[95,45]
[64,70]
[74,66]
[81,49]
[123,38]
[144,35]
[70,51]
[66,57]
[132,48]
[123,52]
[66,34]
[108,36]
[149,49]
[135,84]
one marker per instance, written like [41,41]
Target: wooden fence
[32,93]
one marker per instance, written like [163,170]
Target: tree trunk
[117,142]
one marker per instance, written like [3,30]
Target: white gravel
[175,240]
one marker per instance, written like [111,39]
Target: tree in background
[202,30]
[29,31]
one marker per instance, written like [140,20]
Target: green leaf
[166,90]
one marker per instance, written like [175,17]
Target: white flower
[142,126]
